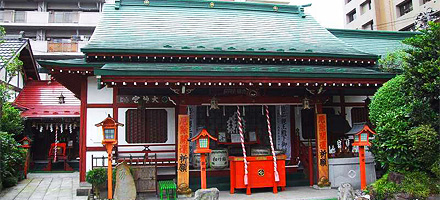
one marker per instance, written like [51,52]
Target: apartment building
[391,15]
[57,29]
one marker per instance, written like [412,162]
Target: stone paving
[45,186]
[291,193]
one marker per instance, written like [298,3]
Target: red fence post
[310,164]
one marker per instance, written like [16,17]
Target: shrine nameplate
[322,146]
[149,100]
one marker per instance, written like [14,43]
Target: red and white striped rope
[277,176]
[240,130]
[56,144]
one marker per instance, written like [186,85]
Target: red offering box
[260,173]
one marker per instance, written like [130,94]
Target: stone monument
[125,187]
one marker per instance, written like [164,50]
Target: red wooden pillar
[82,132]
[310,163]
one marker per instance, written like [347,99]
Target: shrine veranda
[149,62]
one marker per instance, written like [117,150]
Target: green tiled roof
[373,42]
[195,69]
[211,27]
[69,63]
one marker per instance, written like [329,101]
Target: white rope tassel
[240,130]
[277,176]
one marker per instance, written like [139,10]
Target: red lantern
[109,130]
[25,142]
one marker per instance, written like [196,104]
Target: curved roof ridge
[232,5]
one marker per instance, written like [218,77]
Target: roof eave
[88,51]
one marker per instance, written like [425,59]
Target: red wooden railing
[305,154]
[146,156]
[122,153]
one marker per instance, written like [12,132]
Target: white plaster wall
[355,99]
[94,134]
[95,154]
[102,96]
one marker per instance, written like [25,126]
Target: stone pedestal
[346,170]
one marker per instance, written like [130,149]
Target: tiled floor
[45,186]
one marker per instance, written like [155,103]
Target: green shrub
[418,185]
[388,113]
[97,176]
[382,189]
[435,168]
[10,181]
[423,146]
[399,144]
[12,159]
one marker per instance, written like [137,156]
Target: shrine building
[149,63]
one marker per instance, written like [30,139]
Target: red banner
[183,150]
[322,145]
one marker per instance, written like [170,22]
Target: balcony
[35,18]
[62,47]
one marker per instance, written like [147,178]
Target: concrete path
[45,186]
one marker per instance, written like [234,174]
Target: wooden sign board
[183,150]
[322,145]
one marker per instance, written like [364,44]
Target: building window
[146,126]
[405,7]
[424,1]
[347,1]
[351,16]
[365,7]
[368,26]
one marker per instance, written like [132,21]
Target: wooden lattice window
[146,126]
[359,115]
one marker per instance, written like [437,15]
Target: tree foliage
[12,159]
[11,121]
[393,62]
[422,75]
[405,110]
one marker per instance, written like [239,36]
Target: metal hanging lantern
[214,104]
[306,103]
[61,99]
